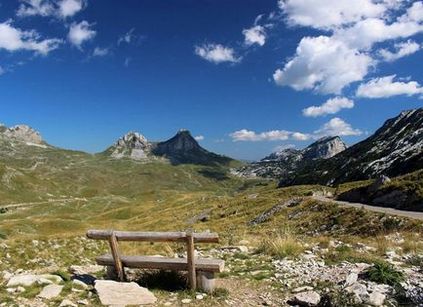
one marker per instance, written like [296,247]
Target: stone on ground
[67,303]
[85,269]
[308,298]
[376,299]
[123,293]
[50,291]
[27,280]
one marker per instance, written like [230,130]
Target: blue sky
[247,76]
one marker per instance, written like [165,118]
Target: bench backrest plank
[203,237]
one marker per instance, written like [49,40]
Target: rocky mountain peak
[181,142]
[133,145]
[22,133]
[324,148]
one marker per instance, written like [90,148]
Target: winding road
[410,214]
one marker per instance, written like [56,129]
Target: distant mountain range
[285,162]
[394,149]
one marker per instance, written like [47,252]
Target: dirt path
[20,205]
[403,213]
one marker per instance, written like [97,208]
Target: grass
[281,246]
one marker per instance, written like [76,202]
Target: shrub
[383,272]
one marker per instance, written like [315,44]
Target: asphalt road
[403,213]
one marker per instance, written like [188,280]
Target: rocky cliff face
[394,149]
[183,148]
[286,161]
[22,133]
[132,145]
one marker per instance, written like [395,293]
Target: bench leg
[206,281]
[111,272]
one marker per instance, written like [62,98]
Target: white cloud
[69,8]
[14,39]
[216,53]
[401,50]
[346,52]
[60,9]
[127,37]
[98,51]
[2,71]
[386,87]
[127,62]
[328,14]
[331,106]
[273,135]
[364,34]
[336,127]
[35,7]
[255,35]
[247,135]
[199,138]
[80,33]
[323,64]
[298,136]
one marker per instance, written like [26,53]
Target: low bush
[385,273]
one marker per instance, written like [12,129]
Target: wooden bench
[201,271]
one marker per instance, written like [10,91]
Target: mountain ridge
[396,148]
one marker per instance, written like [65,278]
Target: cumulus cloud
[60,9]
[217,53]
[14,39]
[98,51]
[323,64]
[334,127]
[401,50]
[199,138]
[69,8]
[345,54]
[331,106]
[337,127]
[384,87]
[273,135]
[328,14]
[255,35]
[80,33]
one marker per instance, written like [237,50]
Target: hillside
[394,149]
[404,192]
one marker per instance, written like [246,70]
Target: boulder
[50,291]
[123,293]
[376,299]
[307,298]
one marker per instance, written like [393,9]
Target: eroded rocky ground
[323,272]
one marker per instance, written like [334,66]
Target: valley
[283,244]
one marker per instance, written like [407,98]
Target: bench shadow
[162,280]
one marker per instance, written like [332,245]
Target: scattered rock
[186,301]
[376,299]
[302,289]
[351,279]
[67,303]
[50,291]
[85,269]
[27,280]
[308,298]
[123,293]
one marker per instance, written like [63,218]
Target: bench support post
[191,261]
[116,256]
[206,281]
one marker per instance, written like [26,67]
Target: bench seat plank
[164,263]
[153,236]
